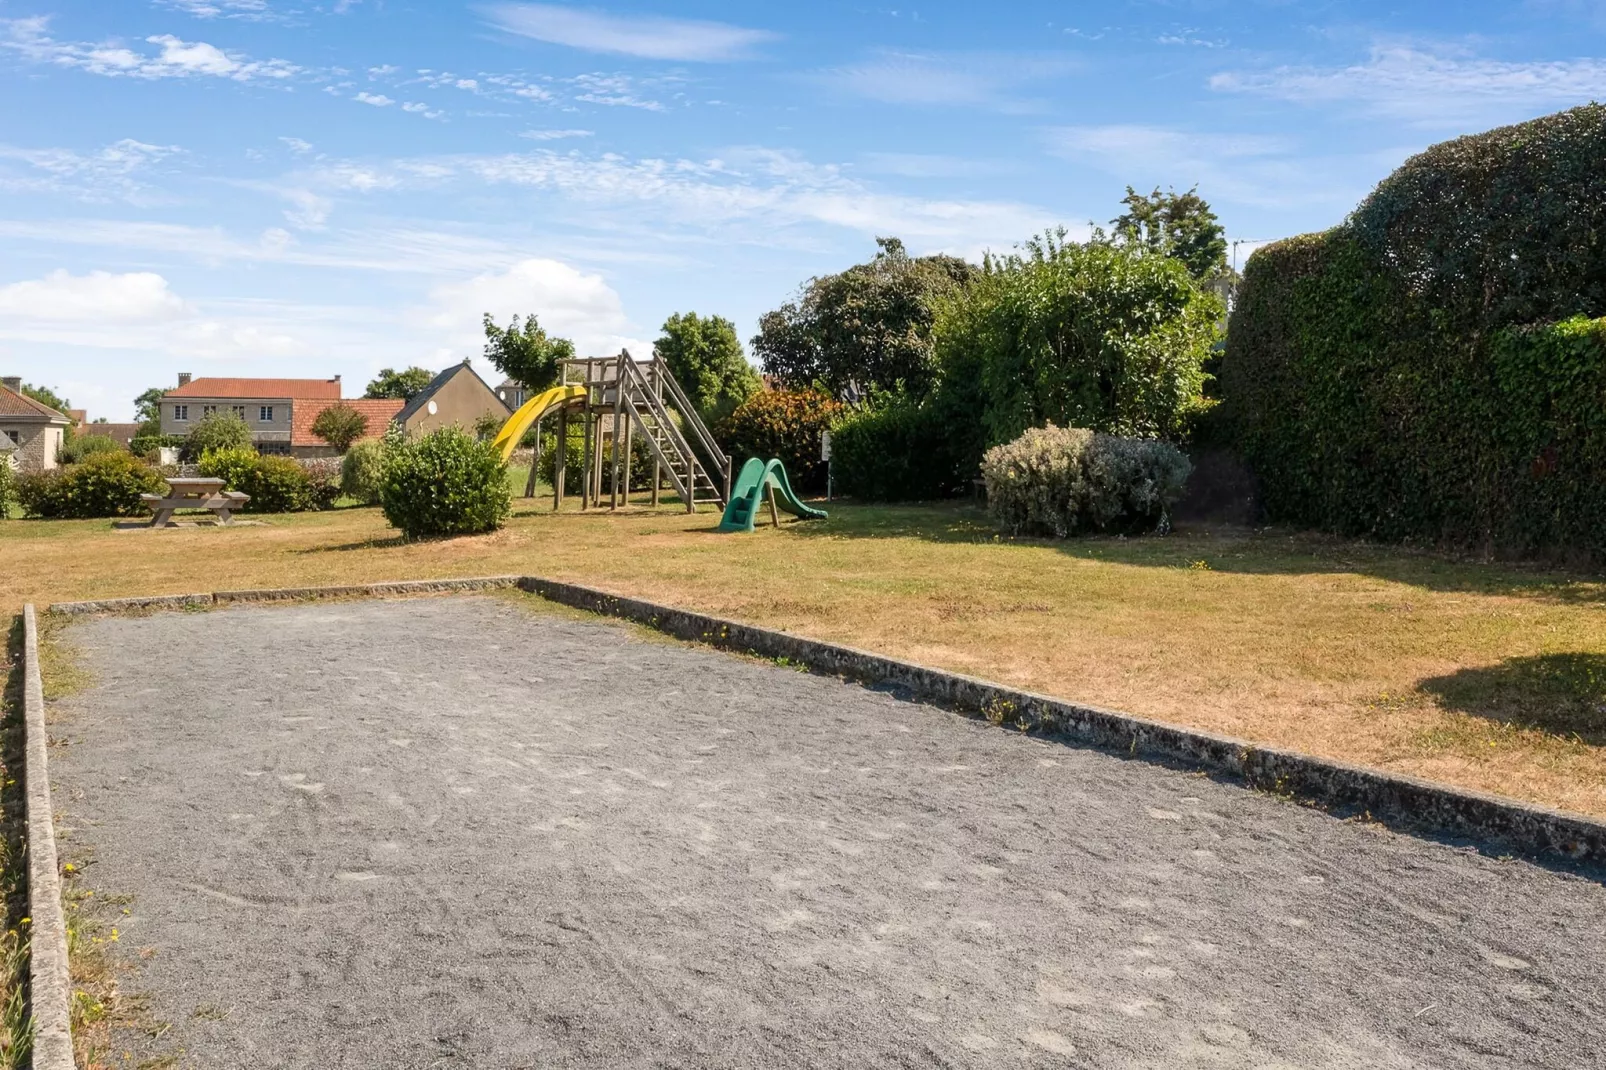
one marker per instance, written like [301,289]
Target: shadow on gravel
[1562,694]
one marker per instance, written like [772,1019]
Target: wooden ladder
[645,394]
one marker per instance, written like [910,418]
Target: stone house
[266,405]
[31,433]
[456,396]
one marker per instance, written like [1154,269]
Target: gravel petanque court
[470,832]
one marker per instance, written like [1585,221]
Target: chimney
[183,378]
[12,383]
[336,379]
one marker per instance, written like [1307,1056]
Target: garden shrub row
[102,485]
[1432,369]
[274,484]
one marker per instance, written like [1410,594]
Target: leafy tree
[870,325]
[390,383]
[526,354]
[217,431]
[1179,225]
[705,357]
[340,425]
[46,396]
[1095,336]
[148,406]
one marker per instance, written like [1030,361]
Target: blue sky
[321,187]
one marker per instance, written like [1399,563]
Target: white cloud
[930,165]
[138,296]
[571,303]
[555,135]
[250,10]
[104,175]
[419,108]
[297,146]
[647,36]
[309,211]
[1439,87]
[177,58]
[614,90]
[946,79]
[378,100]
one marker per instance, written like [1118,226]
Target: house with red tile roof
[280,412]
[31,432]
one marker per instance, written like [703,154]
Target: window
[15,437]
[208,410]
[181,412]
[239,410]
[265,414]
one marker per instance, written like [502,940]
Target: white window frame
[264,414]
[181,414]
[207,410]
[239,410]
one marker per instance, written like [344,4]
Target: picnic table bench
[193,492]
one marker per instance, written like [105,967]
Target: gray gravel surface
[458,832]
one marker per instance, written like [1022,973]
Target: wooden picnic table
[194,492]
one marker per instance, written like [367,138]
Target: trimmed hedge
[361,470]
[1387,378]
[103,485]
[904,451]
[782,424]
[275,484]
[444,483]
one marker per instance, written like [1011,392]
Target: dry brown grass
[1487,676]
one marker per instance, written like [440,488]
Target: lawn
[1486,676]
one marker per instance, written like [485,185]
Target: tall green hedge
[1429,370]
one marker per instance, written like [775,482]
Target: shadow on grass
[1560,694]
[386,543]
[1220,548]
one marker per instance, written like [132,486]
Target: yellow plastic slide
[521,421]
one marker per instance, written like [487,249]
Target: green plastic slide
[748,494]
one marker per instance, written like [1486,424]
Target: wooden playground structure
[616,399]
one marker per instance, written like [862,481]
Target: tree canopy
[705,357]
[46,396]
[340,425]
[526,354]
[148,406]
[390,383]
[1179,225]
[869,325]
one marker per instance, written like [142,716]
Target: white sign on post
[825,446]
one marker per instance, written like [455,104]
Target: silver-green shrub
[1064,481]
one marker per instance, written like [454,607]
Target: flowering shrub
[324,476]
[1068,481]
[444,483]
[784,424]
[8,485]
[105,484]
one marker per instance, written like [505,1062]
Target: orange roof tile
[380,411]
[14,404]
[217,387]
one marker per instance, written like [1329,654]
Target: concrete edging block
[1400,801]
[49,984]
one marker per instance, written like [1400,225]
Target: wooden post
[618,401]
[775,516]
[560,460]
[585,451]
[658,392]
[535,460]
[630,430]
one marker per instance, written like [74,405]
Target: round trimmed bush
[216,431]
[361,471]
[444,483]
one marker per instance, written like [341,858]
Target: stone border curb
[49,986]
[1402,802]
